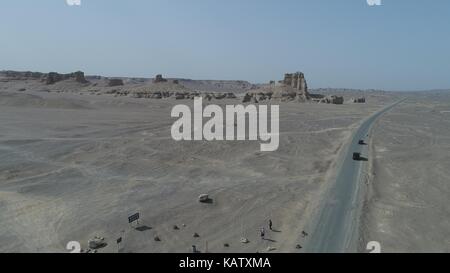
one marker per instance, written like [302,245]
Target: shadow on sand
[143,228]
[207,201]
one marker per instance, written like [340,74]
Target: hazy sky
[403,44]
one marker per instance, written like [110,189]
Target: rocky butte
[53,77]
[292,88]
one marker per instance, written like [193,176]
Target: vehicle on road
[356,156]
[361,142]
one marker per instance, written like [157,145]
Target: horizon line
[231,80]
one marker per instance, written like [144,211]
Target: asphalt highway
[337,225]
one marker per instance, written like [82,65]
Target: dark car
[361,142]
[356,156]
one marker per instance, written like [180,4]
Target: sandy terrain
[407,207]
[73,166]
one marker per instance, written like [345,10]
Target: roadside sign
[133,218]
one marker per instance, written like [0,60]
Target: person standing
[270,224]
[263,233]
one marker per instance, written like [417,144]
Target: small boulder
[96,243]
[204,198]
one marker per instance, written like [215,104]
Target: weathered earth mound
[54,77]
[115,82]
[332,100]
[292,88]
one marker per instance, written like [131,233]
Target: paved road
[337,226]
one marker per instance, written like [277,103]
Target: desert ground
[75,163]
[407,207]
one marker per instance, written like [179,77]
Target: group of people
[263,231]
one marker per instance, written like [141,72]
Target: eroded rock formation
[17,75]
[49,78]
[159,78]
[296,81]
[115,82]
[332,100]
[359,100]
[292,88]
[54,77]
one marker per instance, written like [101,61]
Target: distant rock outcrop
[54,77]
[332,100]
[358,100]
[17,75]
[115,82]
[207,97]
[292,88]
[159,78]
[296,80]
[218,86]
[220,96]
[231,96]
[247,98]
[79,77]
[180,96]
